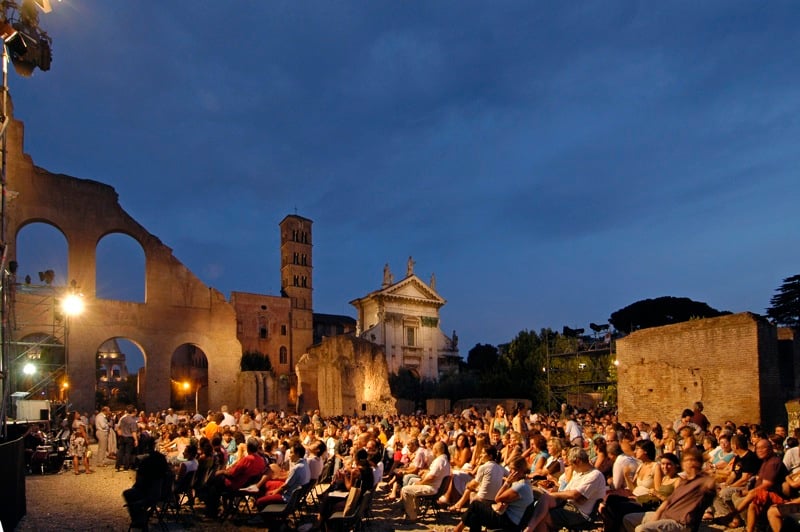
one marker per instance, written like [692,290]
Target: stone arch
[120,387]
[36,244]
[120,267]
[189,378]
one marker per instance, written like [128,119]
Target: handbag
[352,498]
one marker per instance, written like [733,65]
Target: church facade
[403,317]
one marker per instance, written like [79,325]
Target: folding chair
[429,502]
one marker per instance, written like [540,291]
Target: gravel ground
[66,501]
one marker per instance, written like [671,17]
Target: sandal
[455,509]
[708,516]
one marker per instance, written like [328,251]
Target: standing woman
[518,421]
[657,437]
[78,448]
[500,421]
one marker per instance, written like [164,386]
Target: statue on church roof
[410,267]
[388,278]
[433,281]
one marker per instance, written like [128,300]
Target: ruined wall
[178,307]
[343,373]
[729,363]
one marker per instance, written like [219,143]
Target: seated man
[429,484]
[514,496]
[767,491]
[682,510]
[299,475]
[573,506]
[151,475]
[741,469]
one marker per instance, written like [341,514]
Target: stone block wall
[729,363]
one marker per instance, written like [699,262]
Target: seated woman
[603,462]
[174,449]
[539,456]
[358,474]
[554,465]
[462,478]
[643,483]
[460,460]
[512,499]
[184,473]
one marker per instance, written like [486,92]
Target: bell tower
[296,282]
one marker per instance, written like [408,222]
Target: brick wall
[729,363]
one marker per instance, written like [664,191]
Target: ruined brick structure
[178,310]
[345,375]
[181,318]
[730,363]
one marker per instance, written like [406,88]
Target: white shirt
[618,471]
[592,485]
[489,478]
[229,420]
[791,459]
[440,468]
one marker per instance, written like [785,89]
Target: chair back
[327,471]
[443,486]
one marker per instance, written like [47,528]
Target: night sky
[550,162]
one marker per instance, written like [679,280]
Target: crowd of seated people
[755,473]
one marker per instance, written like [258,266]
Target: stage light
[31,49]
[14,41]
[28,369]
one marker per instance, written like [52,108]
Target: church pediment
[412,288]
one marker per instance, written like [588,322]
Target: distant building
[403,317]
[112,369]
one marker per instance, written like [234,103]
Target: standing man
[128,432]
[228,419]
[171,418]
[102,427]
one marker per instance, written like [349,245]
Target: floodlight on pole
[72,304]
[29,369]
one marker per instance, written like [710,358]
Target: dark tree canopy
[482,357]
[660,311]
[785,305]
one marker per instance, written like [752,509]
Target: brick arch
[141,282]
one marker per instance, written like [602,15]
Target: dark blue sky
[551,162]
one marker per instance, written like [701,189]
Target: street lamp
[71,305]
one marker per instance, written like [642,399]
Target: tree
[661,311]
[482,357]
[785,305]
